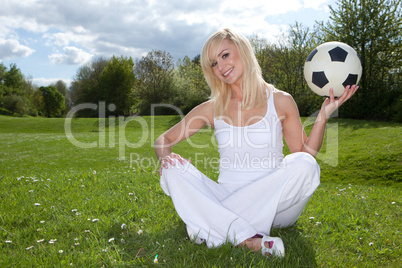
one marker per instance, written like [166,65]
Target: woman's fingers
[170,159]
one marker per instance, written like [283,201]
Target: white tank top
[254,148]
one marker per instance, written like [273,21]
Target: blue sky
[50,39]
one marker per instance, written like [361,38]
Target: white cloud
[315,4]
[71,56]
[11,48]
[44,82]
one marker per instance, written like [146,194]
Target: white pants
[220,212]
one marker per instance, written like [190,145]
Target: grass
[61,205]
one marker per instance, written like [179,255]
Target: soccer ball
[332,65]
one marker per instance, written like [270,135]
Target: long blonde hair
[253,85]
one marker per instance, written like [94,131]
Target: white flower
[311,218]
[37,204]
[31,191]
[370,244]
[77,244]
[42,221]
[140,232]
[155,260]
[52,241]
[123,226]
[9,241]
[87,231]
[94,172]
[393,203]
[76,239]
[95,220]
[130,193]
[40,241]
[318,223]
[111,239]
[28,248]
[73,210]
[60,251]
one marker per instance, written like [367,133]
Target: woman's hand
[169,159]
[331,104]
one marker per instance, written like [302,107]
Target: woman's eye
[224,56]
[213,64]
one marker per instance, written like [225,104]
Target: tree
[374,29]
[190,84]
[15,92]
[155,81]
[85,88]
[282,65]
[53,101]
[61,87]
[116,84]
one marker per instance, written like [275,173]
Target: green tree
[16,92]
[282,65]
[191,86]
[374,29]
[116,84]
[155,81]
[53,101]
[61,87]
[85,87]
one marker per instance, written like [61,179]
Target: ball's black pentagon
[350,80]
[311,55]
[338,54]
[319,79]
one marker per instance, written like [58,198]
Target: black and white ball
[332,65]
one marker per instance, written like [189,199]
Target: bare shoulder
[204,112]
[284,104]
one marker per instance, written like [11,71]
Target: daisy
[140,232]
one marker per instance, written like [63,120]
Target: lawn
[92,198]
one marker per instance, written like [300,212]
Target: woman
[257,187]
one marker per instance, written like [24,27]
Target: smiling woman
[258,188]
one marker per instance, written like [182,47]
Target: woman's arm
[294,134]
[196,119]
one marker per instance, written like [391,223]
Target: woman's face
[228,66]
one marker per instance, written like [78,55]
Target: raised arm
[294,134]
[196,119]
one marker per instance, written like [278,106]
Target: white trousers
[221,212]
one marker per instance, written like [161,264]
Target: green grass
[86,195]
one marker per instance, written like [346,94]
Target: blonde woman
[258,188]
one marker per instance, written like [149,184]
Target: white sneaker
[275,248]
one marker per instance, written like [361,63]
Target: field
[91,198]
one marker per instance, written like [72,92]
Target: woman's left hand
[331,104]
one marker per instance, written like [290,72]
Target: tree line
[372,27]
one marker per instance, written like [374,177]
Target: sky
[49,40]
